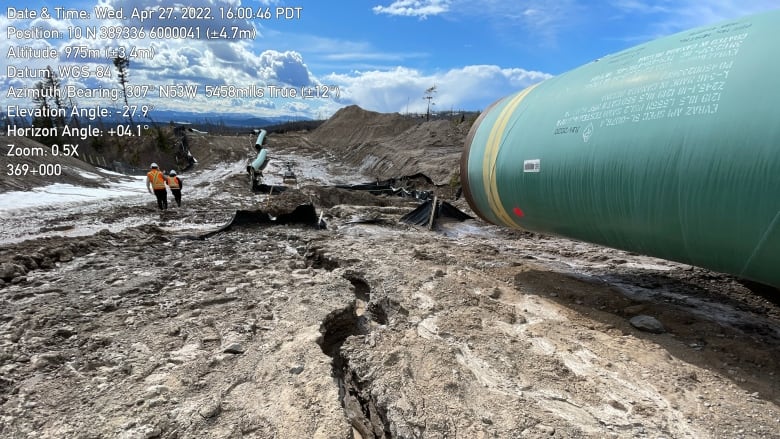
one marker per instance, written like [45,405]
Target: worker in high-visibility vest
[155,183]
[174,183]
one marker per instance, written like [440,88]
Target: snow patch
[58,194]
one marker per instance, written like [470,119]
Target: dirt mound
[431,148]
[391,145]
[352,126]
[210,149]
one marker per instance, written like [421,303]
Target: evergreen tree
[48,100]
[122,65]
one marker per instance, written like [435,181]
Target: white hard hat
[153,165]
[172,172]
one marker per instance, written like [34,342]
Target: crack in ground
[319,259]
[368,420]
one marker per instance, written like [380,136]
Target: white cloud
[50,24]
[698,12]
[537,22]
[682,15]
[264,104]
[185,62]
[210,64]
[414,8]
[372,56]
[328,54]
[659,18]
[285,68]
[297,108]
[228,52]
[638,6]
[544,22]
[402,89]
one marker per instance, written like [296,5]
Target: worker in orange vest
[155,183]
[174,183]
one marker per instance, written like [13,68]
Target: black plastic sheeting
[303,214]
[421,216]
[270,189]
[399,187]
[393,186]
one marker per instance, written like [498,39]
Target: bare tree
[429,96]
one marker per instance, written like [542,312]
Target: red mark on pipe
[518,212]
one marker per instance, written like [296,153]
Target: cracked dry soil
[367,330]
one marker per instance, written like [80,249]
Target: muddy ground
[116,322]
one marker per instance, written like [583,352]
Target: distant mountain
[229,120]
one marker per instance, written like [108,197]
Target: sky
[379,54]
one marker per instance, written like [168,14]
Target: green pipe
[669,149]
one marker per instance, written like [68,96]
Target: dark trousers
[177,196]
[162,198]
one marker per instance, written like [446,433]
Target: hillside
[390,145]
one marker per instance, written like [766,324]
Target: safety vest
[157,179]
[173,182]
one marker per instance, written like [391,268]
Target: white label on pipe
[531,165]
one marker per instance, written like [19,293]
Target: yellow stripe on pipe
[491,155]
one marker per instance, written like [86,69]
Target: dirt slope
[390,145]
[352,126]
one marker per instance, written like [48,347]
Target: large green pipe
[669,149]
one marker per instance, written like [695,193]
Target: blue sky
[379,54]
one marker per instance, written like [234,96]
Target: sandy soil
[116,322]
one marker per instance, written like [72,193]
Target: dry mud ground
[116,323]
